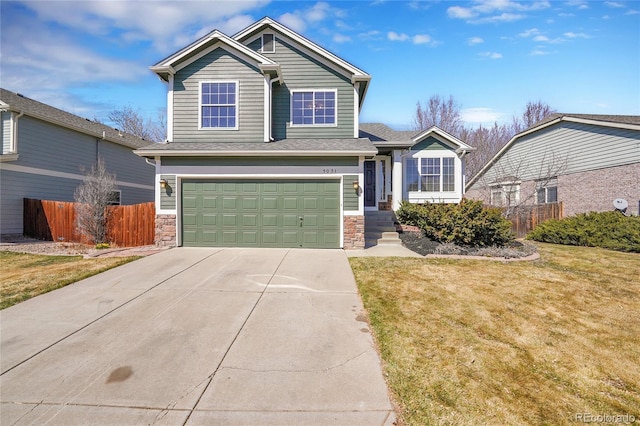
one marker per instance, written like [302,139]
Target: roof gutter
[261,153]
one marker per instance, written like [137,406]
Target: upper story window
[268,43]
[430,174]
[219,105]
[313,108]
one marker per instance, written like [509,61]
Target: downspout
[271,81]
[15,132]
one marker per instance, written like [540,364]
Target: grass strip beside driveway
[482,342]
[23,275]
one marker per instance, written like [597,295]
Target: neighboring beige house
[584,161]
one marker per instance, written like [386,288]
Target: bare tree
[446,114]
[517,180]
[92,198]
[441,112]
[130,121]
[487,141]
[534,112]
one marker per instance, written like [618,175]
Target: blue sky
[493,56]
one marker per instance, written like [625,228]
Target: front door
[369,183]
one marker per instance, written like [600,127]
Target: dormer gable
[268,26]
[443,139]
[210,42]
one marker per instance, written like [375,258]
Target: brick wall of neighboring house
[595,190]
[586,191]
[353,232]
[165,230]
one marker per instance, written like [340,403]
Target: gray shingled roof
[360,146]
[621,119]
[62,118]
[378,132]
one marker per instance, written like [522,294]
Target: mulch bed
[416,242]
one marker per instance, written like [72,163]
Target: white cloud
[370,35]
[293,21]
[576,35]
[529,32]
[480,115]
[416,39]
[341,38]
[394,36]
[614,4]
[495,11]
[632,12]
[163,23]
[503,17]
[538,52]
[421,39]
[475,40]
[541,38]
[300,19]
[491,55]
[581,4]
[461,12]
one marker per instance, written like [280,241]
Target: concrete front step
[382,238]
[380,229]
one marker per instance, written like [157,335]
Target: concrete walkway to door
[197,337]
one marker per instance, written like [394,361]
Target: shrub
[467,224]
[610,230]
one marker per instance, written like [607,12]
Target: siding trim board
[65,175]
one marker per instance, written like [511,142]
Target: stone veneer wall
[353,232]
[165,230]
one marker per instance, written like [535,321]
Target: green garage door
[264,213]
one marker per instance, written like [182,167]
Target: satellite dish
[620,204]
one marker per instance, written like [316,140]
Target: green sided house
[265,148]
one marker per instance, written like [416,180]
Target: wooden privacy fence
[128,226]
[526,218]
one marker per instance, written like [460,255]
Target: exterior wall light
[163,183]
[356,184]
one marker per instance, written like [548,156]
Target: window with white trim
[505,194]
[547,191]
[268,43]
[313,108]
[433,174]
[219,105]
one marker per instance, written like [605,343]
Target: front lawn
[486,342]
[23,276]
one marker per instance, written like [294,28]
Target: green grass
[485,342]
[23,276]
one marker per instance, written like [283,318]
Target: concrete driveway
[197,336]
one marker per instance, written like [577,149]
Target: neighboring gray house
[583,160]
[265,148]
[46,153]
